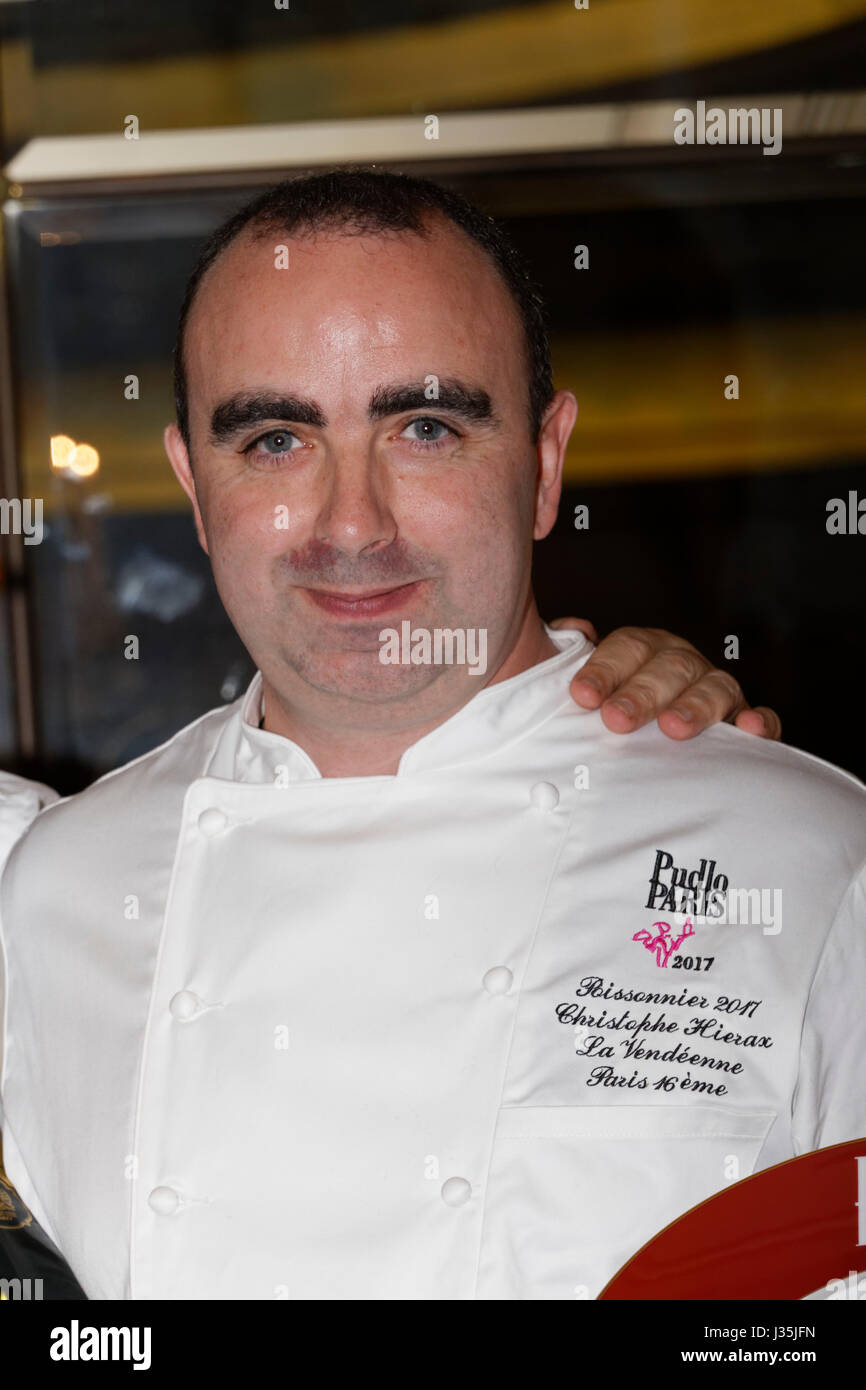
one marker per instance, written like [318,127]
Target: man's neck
[346,751]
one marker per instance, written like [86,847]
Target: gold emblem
[13,1213]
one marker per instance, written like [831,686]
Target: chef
[390,980]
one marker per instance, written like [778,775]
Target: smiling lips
[373,604]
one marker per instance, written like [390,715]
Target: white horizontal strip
[462,135]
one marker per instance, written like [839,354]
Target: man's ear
[178,457]
[556,427]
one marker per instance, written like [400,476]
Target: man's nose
[355,514]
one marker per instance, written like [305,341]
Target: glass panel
[99,287]
[8,739]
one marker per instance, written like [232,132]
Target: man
[403,978]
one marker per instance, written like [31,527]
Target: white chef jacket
[21,800]
[422,1036]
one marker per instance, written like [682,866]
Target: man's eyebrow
[470,402]
[239,412]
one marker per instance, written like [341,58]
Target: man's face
[336,495]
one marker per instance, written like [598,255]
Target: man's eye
[274,443]
[430,431]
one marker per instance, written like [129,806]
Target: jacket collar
[498,715]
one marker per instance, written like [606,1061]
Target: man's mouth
[364,603]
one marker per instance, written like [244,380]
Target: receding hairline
[336,228]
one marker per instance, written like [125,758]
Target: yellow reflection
[62,450]
[85,460]
[67,456]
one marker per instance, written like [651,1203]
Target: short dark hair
[362,200]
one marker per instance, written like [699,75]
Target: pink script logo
[663,944]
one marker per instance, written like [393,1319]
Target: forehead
[354,308]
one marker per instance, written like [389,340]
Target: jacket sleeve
[830,1097]
[20,803]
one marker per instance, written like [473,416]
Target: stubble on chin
[358,674]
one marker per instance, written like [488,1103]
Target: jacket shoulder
[756,786]
[21,800]
[784,767]
[159,776]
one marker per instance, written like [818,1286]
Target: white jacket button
[212,822]
[544,796]
[184,1005]
[456,1191]
[164,1201]
[498,980]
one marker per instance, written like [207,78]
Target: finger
[716,696]
[575,625]
[653,689]
[761,720]
[618,656]
[713,697]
